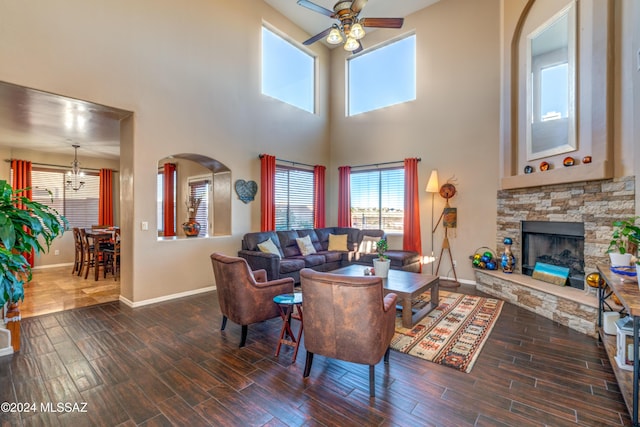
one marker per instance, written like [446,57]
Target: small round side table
[290,306]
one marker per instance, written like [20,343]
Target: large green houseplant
[31,227]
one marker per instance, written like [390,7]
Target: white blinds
[294,198]
[79,207]
[377,199]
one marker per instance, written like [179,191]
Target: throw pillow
[269,247]
[368,245]
[338,242]
[305,245]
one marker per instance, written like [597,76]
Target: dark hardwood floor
[169,364]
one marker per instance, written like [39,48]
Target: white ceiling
[36,120]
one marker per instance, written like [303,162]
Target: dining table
[100,237]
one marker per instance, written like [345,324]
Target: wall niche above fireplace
[594,95]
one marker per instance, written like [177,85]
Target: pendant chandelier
[75,175]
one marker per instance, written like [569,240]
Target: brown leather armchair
[347,318]
[245,297]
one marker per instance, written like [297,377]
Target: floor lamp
[432,187]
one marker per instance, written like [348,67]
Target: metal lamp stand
[447,246]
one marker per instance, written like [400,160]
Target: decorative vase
[191,227]
[381,267]
[508,261]
[619,260]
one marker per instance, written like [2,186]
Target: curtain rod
[289,161]
[381,164]
[57,166]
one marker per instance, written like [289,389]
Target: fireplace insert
[556,243]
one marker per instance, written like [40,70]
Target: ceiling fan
[350,29]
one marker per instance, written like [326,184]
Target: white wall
[453,125]
[190,72]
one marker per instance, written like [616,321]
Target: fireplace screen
[555,243]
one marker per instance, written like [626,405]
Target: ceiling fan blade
[359,49]
[382,22]
[317,37]
[357,5]
[315,7]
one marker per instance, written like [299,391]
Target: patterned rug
[453,333]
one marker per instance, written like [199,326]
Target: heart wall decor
[246,190]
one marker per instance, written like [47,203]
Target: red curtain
[105,198]
[22,180]
[319,216]
[344,196]
[412,240]
[267,192]
[168,201]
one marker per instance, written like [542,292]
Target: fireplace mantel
[564,175]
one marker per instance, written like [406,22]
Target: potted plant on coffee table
[624,241]
[25,226]
[382,263]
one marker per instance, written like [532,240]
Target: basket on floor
[484,258]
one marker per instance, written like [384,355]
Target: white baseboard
[136,304]
[43,267]
[453,279]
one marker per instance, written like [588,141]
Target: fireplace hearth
[556,243]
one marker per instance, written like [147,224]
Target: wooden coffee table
[407,286]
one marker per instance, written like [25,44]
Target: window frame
[289,224]
[372,51]
[398,184]
[63,199]
[300,48]
[203,211]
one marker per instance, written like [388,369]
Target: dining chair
[93,246]
[87,253]
[79,252]
[111,256]
[347,318]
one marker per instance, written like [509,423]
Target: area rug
[453,333]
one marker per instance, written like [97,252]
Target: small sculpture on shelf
[508,260]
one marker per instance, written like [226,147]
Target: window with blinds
[377,199]
[294,198]
[200,188]
[79,207]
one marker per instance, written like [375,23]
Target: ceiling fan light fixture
[357,32]
[334,37]
[351,44]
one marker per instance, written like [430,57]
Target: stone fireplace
[595,205]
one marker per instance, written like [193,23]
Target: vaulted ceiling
[36,120]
